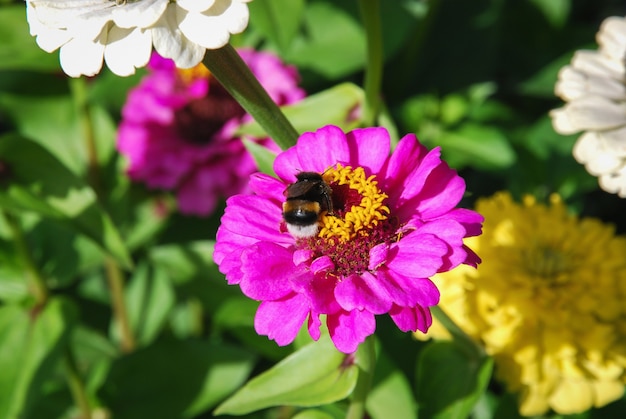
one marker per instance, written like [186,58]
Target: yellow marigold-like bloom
[548,303]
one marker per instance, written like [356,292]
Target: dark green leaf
[312,376]
[173,379]
[450,380]
[32,343]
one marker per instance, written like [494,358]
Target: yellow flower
[548,303]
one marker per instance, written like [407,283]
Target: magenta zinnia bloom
[394,224]
[177,129]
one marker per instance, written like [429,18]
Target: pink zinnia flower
[177,130]
[394,225]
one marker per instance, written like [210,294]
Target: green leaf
[333,43]
[478,146]
[312,376]
[150,299]
[18,50]
[40,183]
[313,414]
[392,395]
[173,379]
[332,106]
[450,380]
[278,20]
[52,122]
[32,343]
[263,157]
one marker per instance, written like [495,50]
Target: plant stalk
[370,12]
[115,279]
[366,361]
[233,73]
[36,281]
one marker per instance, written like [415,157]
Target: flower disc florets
[547,304]
[393,224]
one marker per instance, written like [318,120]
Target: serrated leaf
[312,376]
[32,343]
[278,20]
[450,380]
[40,183]
[332,106]
[188,377]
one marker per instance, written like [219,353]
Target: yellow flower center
[362,204]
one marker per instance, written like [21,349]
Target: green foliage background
[474,77]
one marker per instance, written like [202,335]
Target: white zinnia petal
[615,141]
[141,14]
[573,84]
[127,49]
[594,87]
[212,28]
[594,63]
[82,56]
[123,32]
[169,41]
[195,5]
[596,113]
[592,152]
[615,182]
[612,37]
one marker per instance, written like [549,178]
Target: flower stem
[113,272]
[233,73]
[77,386]
[366,361]
[370,11]
[457,333]
[36,281]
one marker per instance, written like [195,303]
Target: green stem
[366,361]
[370,11]
[77,386]
[36,281]
[115,278]
[230,70]
[457,333]
[116,288]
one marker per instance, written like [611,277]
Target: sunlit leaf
[314,375]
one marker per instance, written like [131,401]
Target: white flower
[594,87]
[123,32]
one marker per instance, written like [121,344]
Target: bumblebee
[307,198]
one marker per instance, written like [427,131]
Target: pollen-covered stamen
[360,220]
[357,208]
